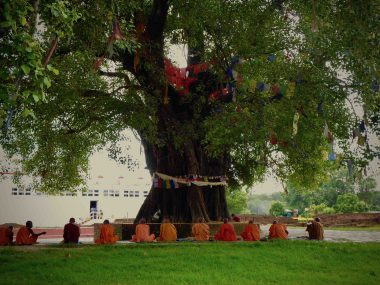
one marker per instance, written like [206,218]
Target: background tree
[277,209]
[349,203]
[237,201]
[280,108]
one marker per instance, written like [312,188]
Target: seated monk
[251,232]
[278,231]
[235,218]
[6,235]
[26,236]
[71,232]
[315,229]
[107,234]
[201,230]
[168,232]
[226,232]
[142,232]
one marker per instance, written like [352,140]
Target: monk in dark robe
[201,230]
[6,235]
[143,232]
[107,234]
[315,229]
[168,232]
[278,231]
[26,236]
[235,218]
[251,232]
[226,232]
[71,232]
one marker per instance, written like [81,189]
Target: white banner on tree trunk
[196,180]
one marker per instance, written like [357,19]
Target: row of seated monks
[168,232]
[71,233]
[201,232]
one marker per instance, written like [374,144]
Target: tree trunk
[189,202]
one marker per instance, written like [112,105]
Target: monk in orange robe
[278,231]
[168,232]
[6,235]
[107,234]
[226,232]
[26,236]
[143,232]
[201,230]
[251,232]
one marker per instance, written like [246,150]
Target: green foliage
[328,211]
[68,109]
[277,209]
[237,201]
[349,203]
[318,209]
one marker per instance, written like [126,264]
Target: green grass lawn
[277,262]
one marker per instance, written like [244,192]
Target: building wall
[54,211]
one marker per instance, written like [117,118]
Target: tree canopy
[282,84]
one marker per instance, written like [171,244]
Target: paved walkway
[334,235]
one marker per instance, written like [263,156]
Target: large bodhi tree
[280,89]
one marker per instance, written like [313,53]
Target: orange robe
[168,232]
[201,231]
[6,236]
[107,234]
[315,230]
[142,234]
[278,231]
[25,236]
[251,233]
[226,233]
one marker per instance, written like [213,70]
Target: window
[117,193]
[28,191]
[38,193]
[14,191]
[96,192]
[84,194]
[137,193]
[20,191]
[145,193]
[105,193]
[126,193]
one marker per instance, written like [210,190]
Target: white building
[18,205]
[115,192]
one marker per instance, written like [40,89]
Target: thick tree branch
[157,20]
